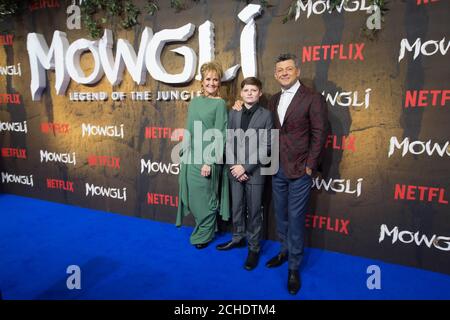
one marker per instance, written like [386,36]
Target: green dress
[204,197]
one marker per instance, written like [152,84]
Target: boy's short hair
[251,81]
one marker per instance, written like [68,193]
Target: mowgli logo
[65,58]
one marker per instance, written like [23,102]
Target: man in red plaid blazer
[301,116]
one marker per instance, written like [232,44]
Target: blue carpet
[130,258]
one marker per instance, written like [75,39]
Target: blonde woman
[203,188]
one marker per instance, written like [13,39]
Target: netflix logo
[426,98]
[327,223]
[341,143]
[60,184]
[14,153]
[6,39]
[420,2]
[104,161]
[163,133]
[162,199]
[352,51]
[60,128]
[43,4]
[419,193]
[10,98]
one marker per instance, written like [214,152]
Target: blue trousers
[291,199]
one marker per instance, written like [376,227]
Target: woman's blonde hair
[211,66]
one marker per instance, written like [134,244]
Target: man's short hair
[288,56]
[251,81]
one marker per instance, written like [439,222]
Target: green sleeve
[220,124]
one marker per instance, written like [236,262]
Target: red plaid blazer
[304,131]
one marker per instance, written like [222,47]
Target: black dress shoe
[294,282]
[277,261]
[201,245]
[252,260]
[230,245]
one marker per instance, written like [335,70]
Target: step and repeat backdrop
[87,120]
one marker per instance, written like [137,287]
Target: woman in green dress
[203,188]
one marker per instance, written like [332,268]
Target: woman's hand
[206,170]
[238,105]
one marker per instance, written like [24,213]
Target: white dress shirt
[285,100]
